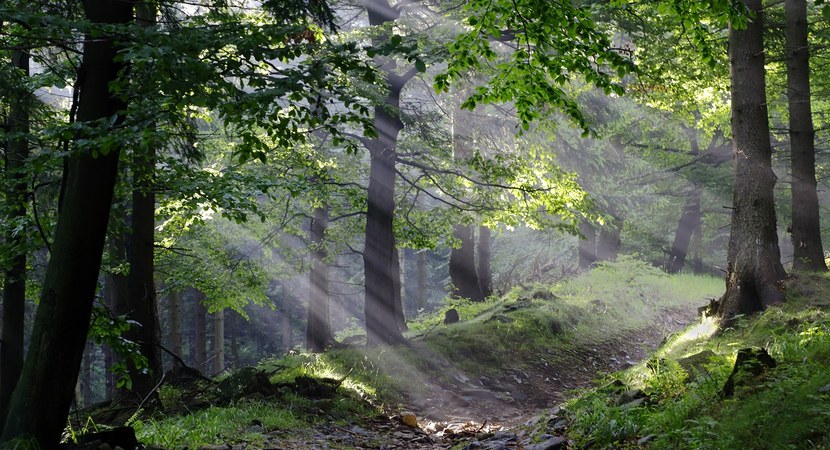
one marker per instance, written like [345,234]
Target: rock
[550,444]
[824,389]
[633,403]
[451,316]
[558,425]
[479,394]
[646,439]
[409,419]
[357,430]
[216,447]
[519,396]
[750,364]
[629,396]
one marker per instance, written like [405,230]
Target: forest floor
[495,380]
[505,410]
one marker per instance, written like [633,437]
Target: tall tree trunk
[462,265]
[86,377]
[233,336]
[587,246]
[40,403]
[609,243]
[421,264]
[14,283]
[754,262]
[379,303]
[199,341]
[175,324]
[485,274]
[286,329]
[397,287]
[806,230]
[697,250]
[689,222]
[218,341]
[318,325]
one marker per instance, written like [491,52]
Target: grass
[785,409]
[554,323]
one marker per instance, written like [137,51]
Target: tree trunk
[40,403]
[806,230]
[233,336]
[400,317]
[218,341]
[421,263]
[587,246]
[485,274]
[285,322]
[754,263]
[199,341]
[378,253]
[689,222]
[14,284]
[609,243]
[463,265]
[318,325]
[175,324]
[697,250]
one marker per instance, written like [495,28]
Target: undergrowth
[788,407]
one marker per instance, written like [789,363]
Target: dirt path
[490,412]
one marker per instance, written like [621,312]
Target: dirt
[503,411]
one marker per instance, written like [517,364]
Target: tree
[318,328]
[41,399]
[754,262]
[14,282]
[806,230]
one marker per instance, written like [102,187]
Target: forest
[427,224]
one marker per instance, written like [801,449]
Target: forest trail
[493,411]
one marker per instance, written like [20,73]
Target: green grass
[785,409]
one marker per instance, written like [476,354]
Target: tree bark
[587,246]
[754,263]
[806,230]
[690,219]
[379,301]
[175,324]
[421,263]
[462,265]
[400,316]
[609,243]
[233,336]
[199,341]
[14,284]
[485,274]
[318,325]
[218,341]
[40,403]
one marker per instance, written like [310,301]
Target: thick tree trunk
[754,263]
[587,246]
[218,341]
[421,267]
[199,341]
[697,250]
[318,325]
[689,222]
[40,403]
[462,265]
[14,283]
[378,253]
[485,274]
[806,230]
[232,322]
